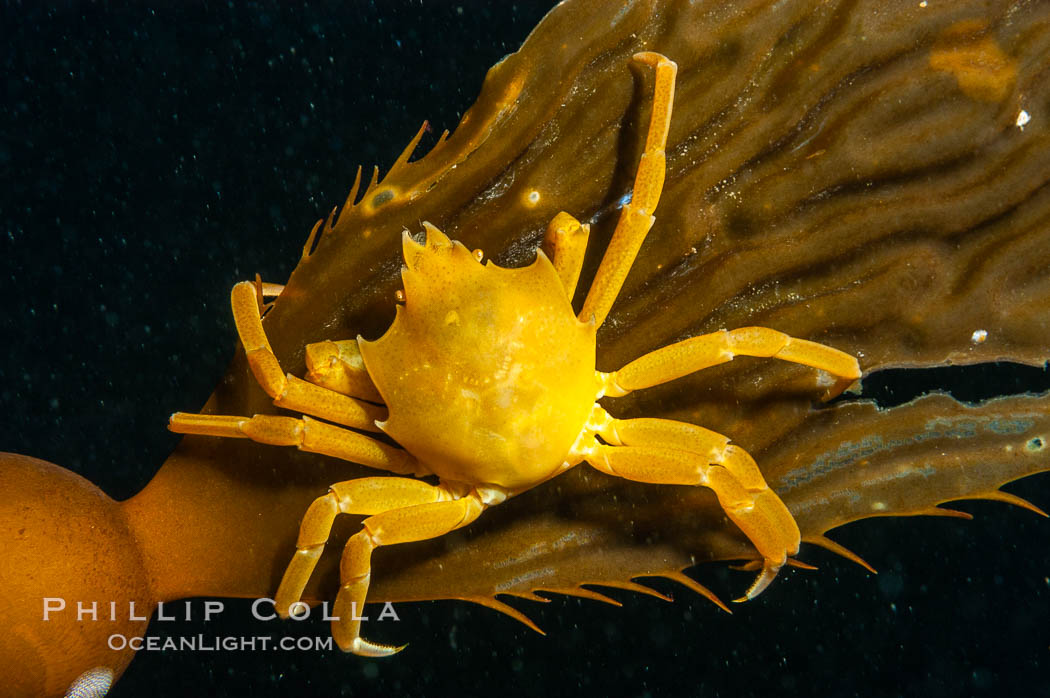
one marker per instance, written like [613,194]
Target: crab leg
[715,449]
[288,391]
[690,355]
[370,496]
[305,434]
[636,218]
[403,525]
[687,437]
[565,244]
[763,519]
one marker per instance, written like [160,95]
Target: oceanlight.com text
[220,643]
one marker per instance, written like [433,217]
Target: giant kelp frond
[377,193]
[845,172]
[581,591]
[857,461]
[846,463]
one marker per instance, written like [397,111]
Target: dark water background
[151,156]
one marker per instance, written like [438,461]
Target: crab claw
[364,648]
[764,579]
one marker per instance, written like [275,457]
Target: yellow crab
[487,380]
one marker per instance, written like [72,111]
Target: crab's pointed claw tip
[364,648]
[764,579]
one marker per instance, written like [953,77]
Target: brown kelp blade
[908,460]
[844,173]
[847,172]
[844,464]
